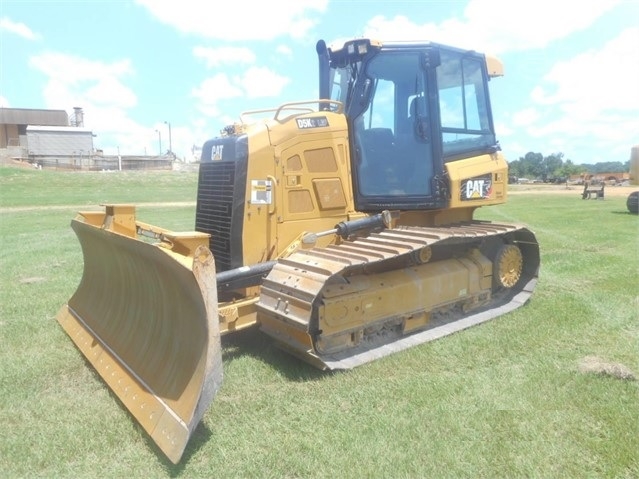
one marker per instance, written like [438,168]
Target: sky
[154,74]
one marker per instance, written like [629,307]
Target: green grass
[27,187]
[503,400]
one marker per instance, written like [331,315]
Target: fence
[101,163]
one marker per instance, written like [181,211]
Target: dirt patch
[596,365]
[6,160]
[570,190]
[95,207]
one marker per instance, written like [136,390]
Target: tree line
[548,168]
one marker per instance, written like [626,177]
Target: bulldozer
[341,227]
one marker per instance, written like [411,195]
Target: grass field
[545,391]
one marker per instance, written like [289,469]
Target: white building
[68,141]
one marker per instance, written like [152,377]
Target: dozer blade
[145,317]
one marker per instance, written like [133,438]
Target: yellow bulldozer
[341,227]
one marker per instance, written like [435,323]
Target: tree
[569,169]
[552,164]
[609,167]
[515,169]
[534,164]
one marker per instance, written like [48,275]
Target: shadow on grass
[625,213]
[200,438]
[257,345]
[251,343]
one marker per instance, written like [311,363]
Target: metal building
[59,141]
[14,122]
[52,139]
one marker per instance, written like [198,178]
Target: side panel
[313,183]
[479,181]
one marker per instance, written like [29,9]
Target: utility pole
[159,141]
[170,142]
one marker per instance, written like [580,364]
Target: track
[299,285]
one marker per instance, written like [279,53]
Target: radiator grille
[214,213]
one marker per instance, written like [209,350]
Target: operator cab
[411,107]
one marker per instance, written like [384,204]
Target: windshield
[341,83]
[463,104]
[390,124]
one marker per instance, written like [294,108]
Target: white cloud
[253,21]
[495,26]
[216,88]
[214,57]
[95,86]
[513,26]
[604,79]
[262,82]
[284,51]
[525,117]
[20,29]
[110,91]
[98,87]
[400,28]
[212,90]
[503,129]
[74,71]
[4,103]
[256,82]
[593,97]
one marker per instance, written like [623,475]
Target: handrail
[273,198]
[293,106]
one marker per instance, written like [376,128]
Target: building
[50,139]
[58,141]
[14,123]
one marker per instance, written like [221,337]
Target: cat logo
[216,152]
[477,188]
